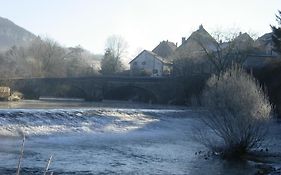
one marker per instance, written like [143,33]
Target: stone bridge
[146,89]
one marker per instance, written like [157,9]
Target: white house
[148,63]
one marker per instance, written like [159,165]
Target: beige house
[148,63]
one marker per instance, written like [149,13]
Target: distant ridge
[12,34]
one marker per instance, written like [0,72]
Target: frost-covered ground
[104,140]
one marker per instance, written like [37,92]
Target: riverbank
[64,103]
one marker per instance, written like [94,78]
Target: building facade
[148,63]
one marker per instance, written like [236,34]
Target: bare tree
[228,49]
[237,113]
[51,58]
[206,54]
[117,45]
[116,49]
[78,62]
[46,58]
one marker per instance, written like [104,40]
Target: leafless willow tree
[237,113]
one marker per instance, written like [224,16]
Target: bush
[237,112]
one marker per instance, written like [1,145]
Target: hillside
[12,34]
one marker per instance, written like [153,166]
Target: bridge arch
[79,91]
[63,90]
[131,93]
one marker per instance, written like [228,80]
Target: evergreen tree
[110,63]
[276,34]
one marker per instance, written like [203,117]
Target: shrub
[238,110]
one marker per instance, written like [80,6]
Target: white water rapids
[71,121]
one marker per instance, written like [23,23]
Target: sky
[142,23]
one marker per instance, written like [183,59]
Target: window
[143,63]
[135,63]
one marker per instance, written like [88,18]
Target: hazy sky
[143,23]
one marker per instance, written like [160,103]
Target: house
[166,52]
[190,56]
[264,45]
[148,63]
[165,49]
[243,42]
[263,53]
[192,47]
[193,55]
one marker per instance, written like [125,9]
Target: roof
[264,45]
[191,46]
[264,39]
[243,38]
[202,35]
[165,49]
[152,54]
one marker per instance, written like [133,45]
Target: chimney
[200,27]
[182,40]
[176,44]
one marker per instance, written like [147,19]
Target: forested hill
[12,34]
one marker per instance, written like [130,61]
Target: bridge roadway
[97,88]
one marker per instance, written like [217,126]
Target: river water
[108,138]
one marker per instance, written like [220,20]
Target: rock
[16,96]
[4,92]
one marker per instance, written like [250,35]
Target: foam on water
[62,121]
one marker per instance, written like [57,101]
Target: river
[108,138]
